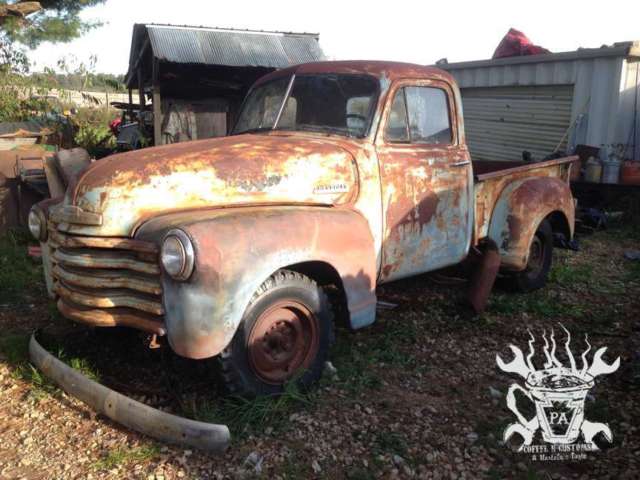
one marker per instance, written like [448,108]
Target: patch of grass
[538,303]
[15,348]
[390,443]
[123,456]
[19,274]
[359,473]
[41,386]
[598,411]
[489,432]
[633,271]
[83,365]
[355,372]
[295,467]
[629,230]
[532,474]
[248,415]
[357,362]
[568,275]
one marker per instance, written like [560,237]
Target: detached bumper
[125,411]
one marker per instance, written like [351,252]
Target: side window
[397,129]
[428,113]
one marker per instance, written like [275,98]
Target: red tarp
[516,44]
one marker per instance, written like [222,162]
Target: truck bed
[490,178]
[484,170]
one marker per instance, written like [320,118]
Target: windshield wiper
[326,129]
[254,130]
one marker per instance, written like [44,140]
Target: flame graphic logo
[558,392]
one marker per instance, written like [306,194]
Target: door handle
[461,164]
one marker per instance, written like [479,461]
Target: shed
[541,103]
[197,77]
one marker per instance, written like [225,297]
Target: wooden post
[157,115]
[157,104]
[140,90]
[130,107]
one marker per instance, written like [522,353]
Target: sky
[413,31]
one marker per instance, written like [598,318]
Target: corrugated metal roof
[619,49]
[236,48]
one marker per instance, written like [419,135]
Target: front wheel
[285,334]
[535,275]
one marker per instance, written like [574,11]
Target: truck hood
[125,189]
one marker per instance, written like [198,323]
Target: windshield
[341,104]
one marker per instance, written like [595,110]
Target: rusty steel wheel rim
[536,255]
[283,340]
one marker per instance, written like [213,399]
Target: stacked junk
[32,169]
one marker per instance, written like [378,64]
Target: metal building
[540,103]
[198,76]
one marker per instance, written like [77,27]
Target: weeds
[14,347]
[245,415]
[540,303]
[20,276]
[632,273]
[568,275]
[123,456]
[357,366]
[359,473]
[390,443]
[355,372]
[295,467]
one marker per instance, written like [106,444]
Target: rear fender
[522,205]
[237,249]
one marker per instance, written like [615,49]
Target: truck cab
[337,177]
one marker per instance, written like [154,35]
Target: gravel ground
[417,395]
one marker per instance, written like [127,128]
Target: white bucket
[610,171]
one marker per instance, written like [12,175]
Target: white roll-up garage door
[501,122]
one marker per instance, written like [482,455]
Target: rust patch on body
[427,209]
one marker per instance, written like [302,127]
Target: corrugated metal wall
[501,122]
[597,84]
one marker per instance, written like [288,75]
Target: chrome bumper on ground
[128,412]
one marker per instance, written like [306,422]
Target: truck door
[426,180]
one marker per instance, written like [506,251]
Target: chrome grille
[116,276]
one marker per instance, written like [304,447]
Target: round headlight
[37,224]
[177,255]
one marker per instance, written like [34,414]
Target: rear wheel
[285,334]
[534,276]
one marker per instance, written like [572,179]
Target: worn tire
[252,364]
[535,275]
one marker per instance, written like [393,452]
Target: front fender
[237,249]
[522,205]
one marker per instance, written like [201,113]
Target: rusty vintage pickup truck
[337,177]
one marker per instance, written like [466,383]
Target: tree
[25,25]
[53,21]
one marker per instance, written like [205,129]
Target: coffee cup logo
[558,393]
